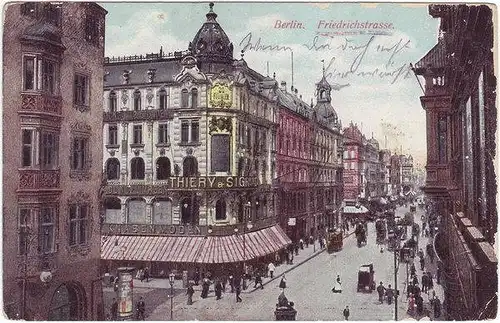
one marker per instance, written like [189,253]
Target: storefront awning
[195,249]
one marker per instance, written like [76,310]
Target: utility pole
[395,285]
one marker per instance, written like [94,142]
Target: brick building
[52,130]
[459,102]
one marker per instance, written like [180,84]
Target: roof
[435,58]
[195,249]
[165,71]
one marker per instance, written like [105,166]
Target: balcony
[40,103]
[141,115]
[30,179]
[438,177]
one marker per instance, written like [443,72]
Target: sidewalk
[304,255]
[428,267]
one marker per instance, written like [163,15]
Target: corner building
[459,102]
[52,130]
[189,157]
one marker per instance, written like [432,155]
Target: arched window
[194,98]
[322,94]
[137,100]
[112,206]
[220,210]
[162,168]
[189,167]
[184,98]
[112,101]
[113,168]
[66,305]
[163,99]
[137,168]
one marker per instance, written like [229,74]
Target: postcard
[240,161]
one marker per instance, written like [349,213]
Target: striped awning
[195,249]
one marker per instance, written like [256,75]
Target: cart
[335,241]
[366,278]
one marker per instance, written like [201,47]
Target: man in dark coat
[218,289]
[390,294]
[346,313]
[190,293]
[114,310]
[196,277]
[237,285]
[141,309]
[381,292]
[419,301]
[146,274]
[436,304]
[258,280]
[430,283]
[205,287]
[424,282]
[231,282]
[422,263]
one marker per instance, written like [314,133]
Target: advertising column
[125,293]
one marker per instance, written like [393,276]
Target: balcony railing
[38,102]
[148,115]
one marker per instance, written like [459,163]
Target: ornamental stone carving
[124,96]
[126,76]
[141,115]
[151,75]
[38,179]
[149,95]
[41,103]
[79,126]
[220,124]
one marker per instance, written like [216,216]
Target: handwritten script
[359,52]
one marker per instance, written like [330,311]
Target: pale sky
[379,95]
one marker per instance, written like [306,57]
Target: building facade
[293,163]
[395,175]
[374,182]
[354,155]
[52,130]
[459,102]
[385,172]
[189,154]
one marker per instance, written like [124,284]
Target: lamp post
[171,279]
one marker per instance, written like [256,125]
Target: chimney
[283,85]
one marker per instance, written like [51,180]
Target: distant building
[385,172]
[52,133]
[354,153]
[459,102]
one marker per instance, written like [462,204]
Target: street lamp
[171,279]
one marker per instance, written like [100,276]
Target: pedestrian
[141,309]
[419,301]
[287,257]
[258,280]
[146,274]
[390,294]
[436,305]
[306,242]
[238,290]
[283,283]
[224,283]
[337,287]
[423,228]
[114,310]
[422,263]
[424,282]
[411,305]
[409,290]
[291,258]
[415,280]
[430,283]
[271,268]
[277,258]
[381,292]
[412,270]
[438,275]
[218,289]
[140,274]
[296,248]
[196,277]
[311,240]
[190,293]
[324,242]
[346,313]
[301,243]
[205,287]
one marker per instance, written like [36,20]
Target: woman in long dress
[283,282]
[337,288]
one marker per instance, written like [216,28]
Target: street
[308,286]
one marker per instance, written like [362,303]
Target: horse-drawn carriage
[335,241]
[366,278]
[381,228]
[360,233]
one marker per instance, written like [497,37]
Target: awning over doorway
[195,249]
[355,210]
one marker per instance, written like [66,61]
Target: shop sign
[125,293]
[185,183]
[151,229]
[292,221]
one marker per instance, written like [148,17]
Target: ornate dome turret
[325,113]
[211,42]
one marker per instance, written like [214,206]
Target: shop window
[220,210]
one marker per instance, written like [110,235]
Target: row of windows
[47,223]
[41,148]
[42,74]
[163,168]
[190,133]
[188,100]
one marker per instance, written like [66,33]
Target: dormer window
[137,100]
[194,98]
[184,98]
